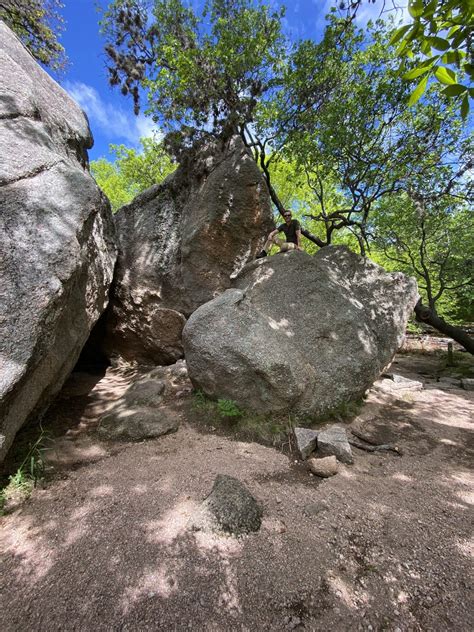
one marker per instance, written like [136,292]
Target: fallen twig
[376,448]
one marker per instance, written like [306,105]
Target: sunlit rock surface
[179,245]
[298,333]
[56,237]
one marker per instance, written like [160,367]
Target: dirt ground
[384,545]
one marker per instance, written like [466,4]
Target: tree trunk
[427,315]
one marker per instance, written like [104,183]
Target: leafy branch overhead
[38,23]
[438,43]
[194,75]
[442,33]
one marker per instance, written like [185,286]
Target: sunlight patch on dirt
[22,540]
[466,547]
[344,592]
[158,582]
[173,524]
[398,476]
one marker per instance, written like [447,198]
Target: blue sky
[110,114]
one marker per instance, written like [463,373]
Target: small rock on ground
[468,383]
[325,467]
[232,508]
[137,423]
[306,441]
[333,441]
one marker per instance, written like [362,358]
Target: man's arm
[298,239]
[298,235]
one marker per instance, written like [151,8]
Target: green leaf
[469,68]
[415,8]
[401,47]
[439,43]
[425,47]
[454,90]
[399,33]
[465,107]
[418,91]
[453,30]
[420,69]
[460,36]
[430,8]
[445,75]
[453,57]
[471,92]
[416,72]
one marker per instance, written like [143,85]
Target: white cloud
[369,11]
[115,123]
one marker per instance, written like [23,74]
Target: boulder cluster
[174,276]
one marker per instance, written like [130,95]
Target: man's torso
[290,230]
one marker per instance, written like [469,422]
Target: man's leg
[286,246]
[275,240]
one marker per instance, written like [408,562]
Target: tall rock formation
[299,334]
[179,245]
[56,237]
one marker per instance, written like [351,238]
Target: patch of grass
[28,475]
[228,408]
[463,365]
[271,429]
[225,416]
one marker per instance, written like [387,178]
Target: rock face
[299,333]
[179,244]
[56,237]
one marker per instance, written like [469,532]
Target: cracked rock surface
[56,237]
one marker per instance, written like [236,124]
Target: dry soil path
[384,545]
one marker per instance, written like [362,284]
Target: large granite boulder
[299,333]
[56,237]
[179,245]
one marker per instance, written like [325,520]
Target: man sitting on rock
[292,231]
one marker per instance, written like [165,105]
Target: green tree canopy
[205,71]
[38,24]
[132,171]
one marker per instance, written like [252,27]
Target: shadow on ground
[386,543]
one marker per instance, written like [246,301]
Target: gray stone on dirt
[173,374]
[449,382]
[299,333]
[395,384]
[146,408]
[136,424]
[325,467]
[306,441]
[232,507]
[179,244]
[402,382]
[333,441]
[467,383]
[147,392]
[56,237]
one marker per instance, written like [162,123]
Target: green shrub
[228,408]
